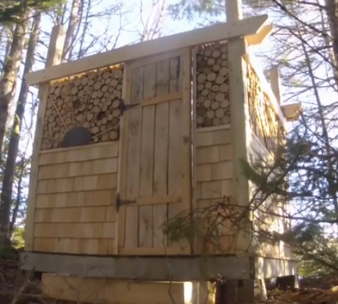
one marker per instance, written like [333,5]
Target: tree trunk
[7,33]
[16,205]
[9,172]
[332,16]
[10,74]
[74,19]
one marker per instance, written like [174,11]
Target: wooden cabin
[128,139]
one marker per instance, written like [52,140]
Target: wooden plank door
[155,168]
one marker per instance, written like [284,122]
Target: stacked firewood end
[263,118]
[91,100]
[213,105]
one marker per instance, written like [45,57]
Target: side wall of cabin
[267,134]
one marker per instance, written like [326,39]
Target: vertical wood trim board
[53,57]
[239,120]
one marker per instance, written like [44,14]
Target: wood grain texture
[161,149]
[147,152]
[175,149]
[145,230]
[131,222]
[160,216]
[156,174]
[134,155]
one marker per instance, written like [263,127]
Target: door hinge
[124,107]
[119,202]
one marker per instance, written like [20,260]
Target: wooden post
[240,128]
[240,139]
[275,82]
[53,58]
[233,10]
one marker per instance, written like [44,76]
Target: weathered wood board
[155,152]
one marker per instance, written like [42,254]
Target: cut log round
[210,114]
[216,121]
[216,53]
[208,85]
[219,113]
[207,103]
[114,135]
[224,87]
[216,67]
[215,105]
[225,103]
[220,80]
[211,76]
[211,61]
[226,119]
[220,97]
[200,99]
[200,87]
[200,120]
[205,92]
[201,78]
[223,71]
[215,88]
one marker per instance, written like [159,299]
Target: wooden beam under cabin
[147,268]
[217,32]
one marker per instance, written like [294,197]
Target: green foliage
[181,228]
[18,237]
[206,224]
[190,8]
[305,172]
[6,249]
[304,175]
[11,11]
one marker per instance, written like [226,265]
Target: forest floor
[19,288]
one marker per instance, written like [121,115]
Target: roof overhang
[255,28]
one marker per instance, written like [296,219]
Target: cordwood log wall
[90,100]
